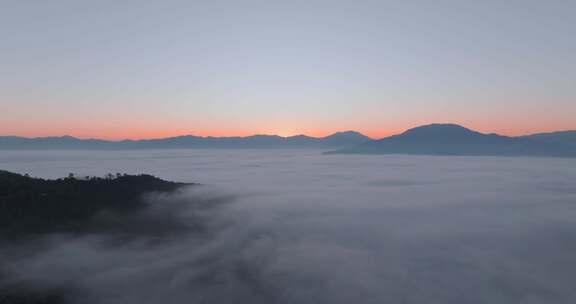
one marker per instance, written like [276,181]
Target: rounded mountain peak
[347,134]
[440,129]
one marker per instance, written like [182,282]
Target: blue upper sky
[116,69]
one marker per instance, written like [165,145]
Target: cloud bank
[296,227]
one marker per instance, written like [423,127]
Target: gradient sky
[139,69]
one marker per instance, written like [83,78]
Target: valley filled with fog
[296,226]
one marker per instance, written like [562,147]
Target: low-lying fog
[301,227]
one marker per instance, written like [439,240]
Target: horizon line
[266,134]
[186,135]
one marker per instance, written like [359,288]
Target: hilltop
[33,206]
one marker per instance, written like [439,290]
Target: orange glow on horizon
[371,126]
[135,134]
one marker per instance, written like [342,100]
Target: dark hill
[32,206]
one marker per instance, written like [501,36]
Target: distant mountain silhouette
[566,137]
[8,142]
[433,139]
[452,139]
[336,140]
[345,138]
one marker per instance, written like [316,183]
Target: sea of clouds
[271,226]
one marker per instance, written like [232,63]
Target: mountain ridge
[429,139]
[335,140]
[453,139]
[567,136]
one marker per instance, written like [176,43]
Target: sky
[141,69]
